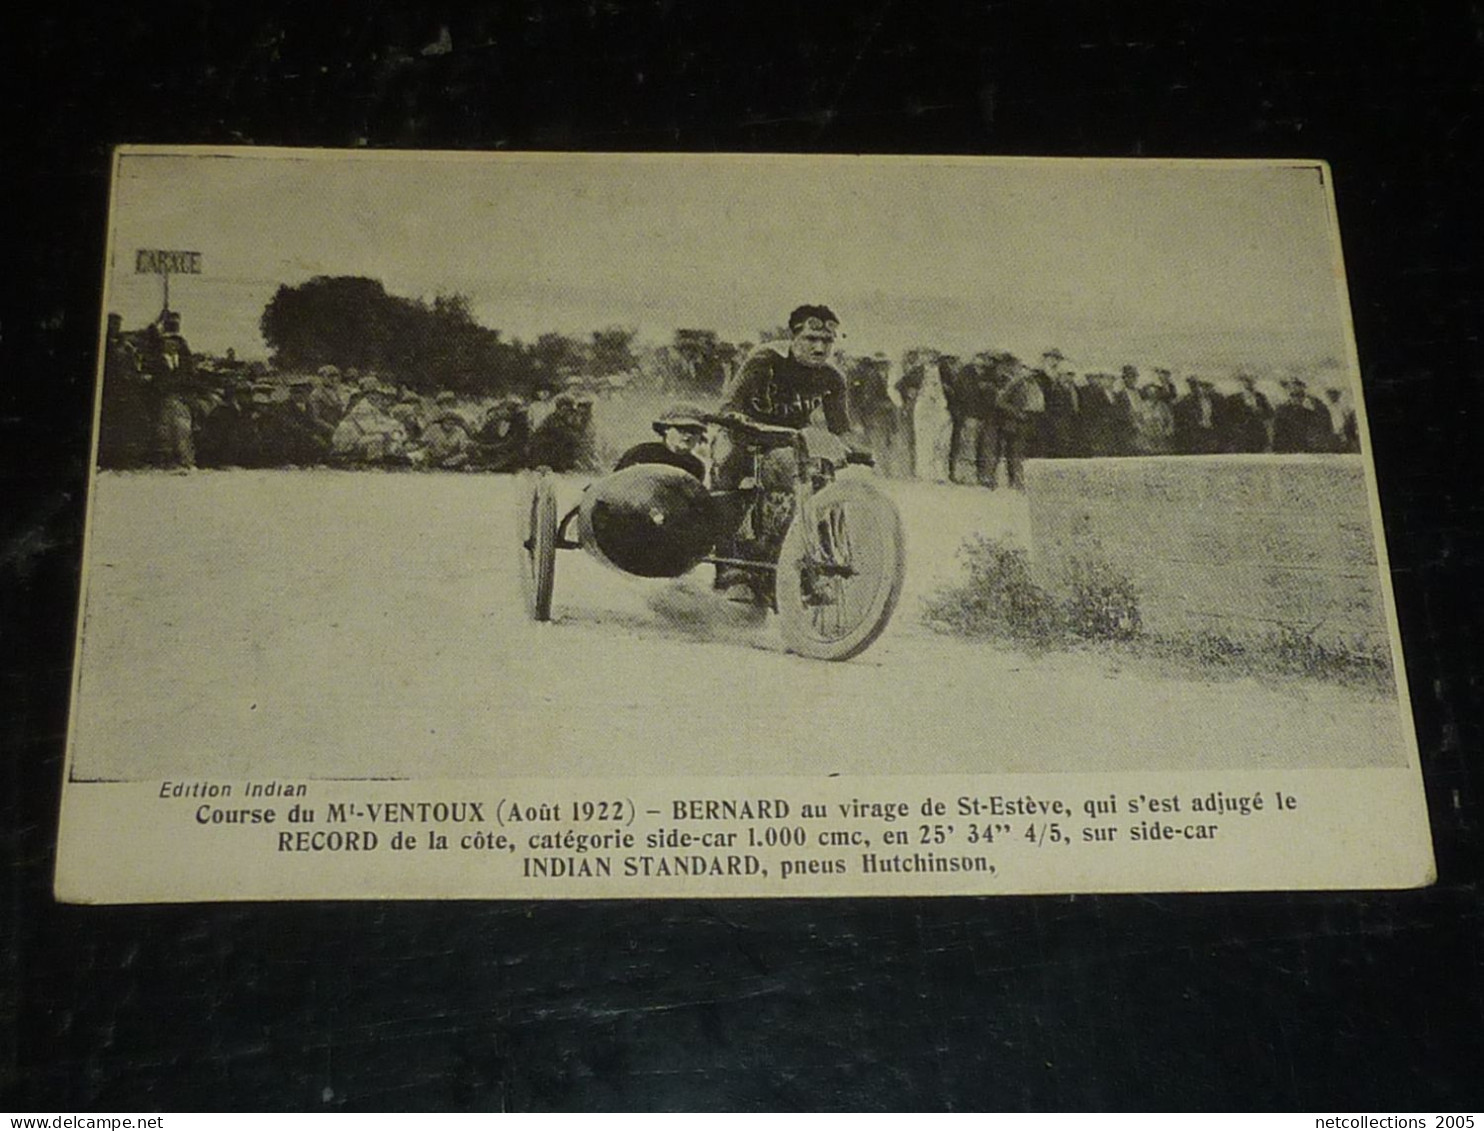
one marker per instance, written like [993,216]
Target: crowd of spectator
[165,408]
[997,411]
[935,416]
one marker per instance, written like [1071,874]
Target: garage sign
[155,261]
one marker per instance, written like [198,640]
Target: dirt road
[321,624]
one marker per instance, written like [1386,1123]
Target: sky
[1188,264]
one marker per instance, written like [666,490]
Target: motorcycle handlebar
[751,427]
[778,433]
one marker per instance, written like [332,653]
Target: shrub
[999,600]
[1209,647]
[1297,651]
[1103,605]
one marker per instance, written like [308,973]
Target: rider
[796,387]
[682,429]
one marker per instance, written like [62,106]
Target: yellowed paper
[1153,656]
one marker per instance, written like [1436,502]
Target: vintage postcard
[593,526]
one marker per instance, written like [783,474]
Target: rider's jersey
[773,388]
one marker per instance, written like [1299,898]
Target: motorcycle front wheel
[840,571]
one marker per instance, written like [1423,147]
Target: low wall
[1239,545]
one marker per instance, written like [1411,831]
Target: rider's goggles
[812,323]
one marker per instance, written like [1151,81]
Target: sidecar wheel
[536,524]
[838,589]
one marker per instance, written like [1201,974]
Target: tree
[350,321]
[553,358]
[440,346]
[703,357]
[612,351]
[453,310]
[664,370]
[343,320]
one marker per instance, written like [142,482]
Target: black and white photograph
[452,666]
[793,497]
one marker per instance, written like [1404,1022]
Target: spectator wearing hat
[908,388]
[1249,418]
[1021,403]
[293,435]
[409,413]
[170,369]
[971,388]
[1153,420]
[564,440]
[447,441]
[1105,420]
[238,433]
[500,443]
[1198,424]
[1300,424]
[127,426]
[369,433]
[1125,397]
[256,440]
[329,397]
[682,432]
[870,399]
[932,424]
[1061,430]
[1344,435]
[1164,382]
[220,441]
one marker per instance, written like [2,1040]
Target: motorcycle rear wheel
[536,525]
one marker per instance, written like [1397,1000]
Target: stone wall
[1239,545]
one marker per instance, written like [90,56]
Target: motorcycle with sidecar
[836,553]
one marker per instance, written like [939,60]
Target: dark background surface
[1352,1002]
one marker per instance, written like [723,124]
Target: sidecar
[836,579]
